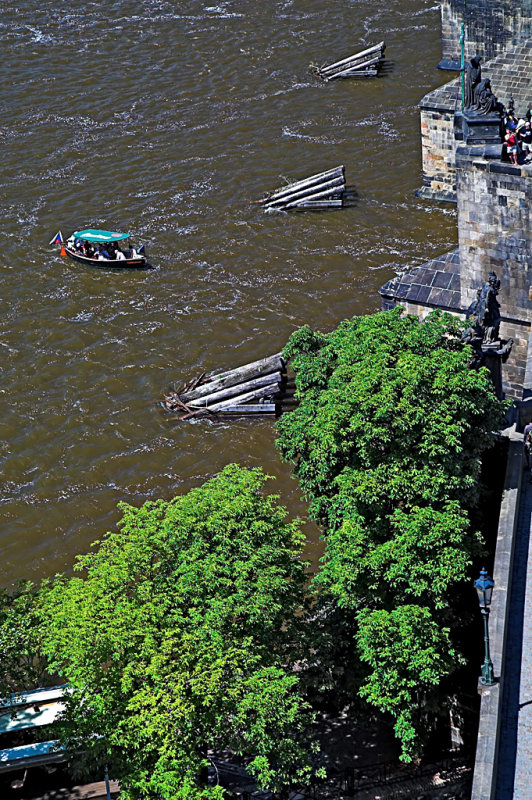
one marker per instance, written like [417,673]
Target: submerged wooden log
[359,62]
[317,196]
[337,183]
[257,408]
[320,177]
[365,73]
[366,66]
[258,364]
[317,204]
[248,389]
[330,184]
[232,377]
[233,391]
[362,55]
[264,391]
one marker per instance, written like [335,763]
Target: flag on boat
[58,238]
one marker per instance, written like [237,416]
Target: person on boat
[103,254]
[119,255]
[89,250]
[137,253]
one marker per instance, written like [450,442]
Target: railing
[356,779]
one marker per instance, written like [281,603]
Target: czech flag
[58,238]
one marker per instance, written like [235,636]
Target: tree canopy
[180,636]
[387,442]
[22,664]
[184,631]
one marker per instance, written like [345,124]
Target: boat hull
[130,263]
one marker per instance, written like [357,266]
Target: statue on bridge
[479,99]
[484,312]
[485,101]
[484,319]
[473,74]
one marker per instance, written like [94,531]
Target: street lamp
[484,586]
[462,62]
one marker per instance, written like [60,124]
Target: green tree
[387,443]
[181,637]
[22,663]
[408,653]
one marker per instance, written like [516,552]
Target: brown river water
[167,119]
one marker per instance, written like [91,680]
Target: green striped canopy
[91,235]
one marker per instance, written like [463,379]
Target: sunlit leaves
[386,443]
[180,636]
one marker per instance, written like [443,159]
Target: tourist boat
[76,244]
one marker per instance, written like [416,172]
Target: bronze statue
[485,101]
[484,312]
[484,319]
[473,74]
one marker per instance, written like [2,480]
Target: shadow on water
[350,197]
[387,68]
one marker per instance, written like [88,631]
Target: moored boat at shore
[102,249]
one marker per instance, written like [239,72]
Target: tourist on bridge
[524,137]
[510,141]
[510,120]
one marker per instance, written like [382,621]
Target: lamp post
[462,63]
[107,787]
[484,586]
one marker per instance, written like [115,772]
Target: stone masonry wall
[438,144]
[452,16]
[495,229]
[513,372]
[491,27]
[495,233]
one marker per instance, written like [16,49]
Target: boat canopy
[91,235]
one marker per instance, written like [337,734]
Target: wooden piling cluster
[323,190]
[361,65]
[254,388]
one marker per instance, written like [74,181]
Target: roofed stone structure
[435,284]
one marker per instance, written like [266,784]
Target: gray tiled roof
[435,283]
[444,97]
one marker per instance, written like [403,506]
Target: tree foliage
[408,653]
[387,442]
[22,663]
[180,636]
